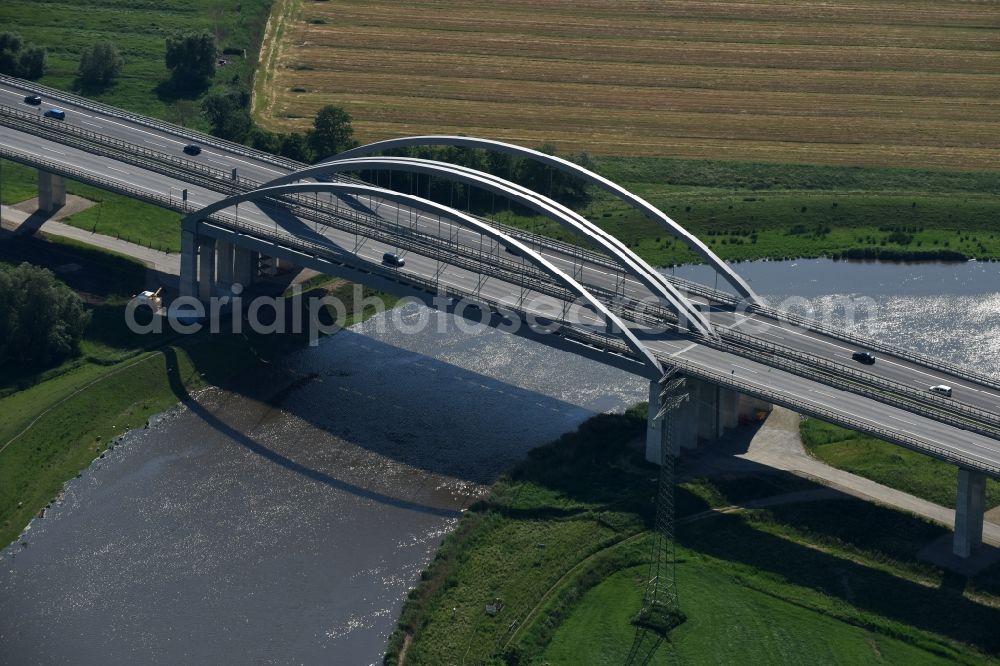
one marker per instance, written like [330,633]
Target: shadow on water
[173,374]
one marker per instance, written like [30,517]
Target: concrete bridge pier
[206,267]
[51,191]
[969,512]
[244,265]
[189,259]
[709,411]
[224,264]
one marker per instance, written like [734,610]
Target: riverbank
[563,537]
[296,508]
[59,419]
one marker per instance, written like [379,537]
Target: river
[284,522]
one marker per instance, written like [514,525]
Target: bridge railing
[839,418]
[331,252]
[152,123]
[843,377]
[89,178]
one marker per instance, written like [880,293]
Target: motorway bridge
[595,298]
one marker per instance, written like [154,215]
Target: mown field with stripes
[867,82]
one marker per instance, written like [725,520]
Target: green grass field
[114,215]
[888,464]
[139,29]
[727,623]
[562,541]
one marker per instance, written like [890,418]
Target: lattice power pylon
[660,605]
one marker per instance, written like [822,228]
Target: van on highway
[942,389]
[58,114]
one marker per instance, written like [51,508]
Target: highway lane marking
[896,418]
[119,170]
[53,150]
[828,395]
[743,367]
[681,351]
[86,122]
[161,145]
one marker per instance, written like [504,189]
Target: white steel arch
[632,264]
[637,202]
[653,368]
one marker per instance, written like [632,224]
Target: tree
[263,139]
[100,64]
[332,132]
[31,64]
[43,319]
[294,146]
[191,57]
[20,59]
[229,114]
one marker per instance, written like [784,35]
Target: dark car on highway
[33,100]
[864,357]
[192,149]
[393,259]
[58,114]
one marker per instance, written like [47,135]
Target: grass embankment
[114,215]
[563,542]
[804,82]
[55,421]
[888,464]
[140,30]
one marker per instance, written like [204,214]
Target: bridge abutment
[969,512]
[51,191]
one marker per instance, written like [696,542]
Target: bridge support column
[969,512]
[729,409]
[244,266]
[189,262]
[51,191]
[206,267]
[682,419]
[654,425]
[224,263]
[707,398]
